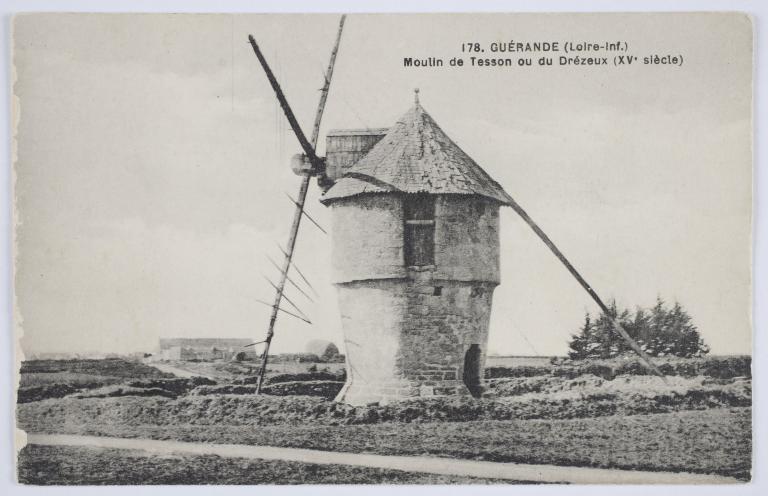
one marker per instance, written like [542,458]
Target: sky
[153,162]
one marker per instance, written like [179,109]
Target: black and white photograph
[382,249]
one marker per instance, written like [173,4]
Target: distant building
[205,348]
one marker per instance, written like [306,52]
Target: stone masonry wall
[466,238]
[439,329]
[407,330]
[367,238]
[402,340]
[372,316]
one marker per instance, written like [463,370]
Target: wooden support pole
[588,288]
[318,168]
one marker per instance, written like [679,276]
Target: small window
[419,215]
[438,291]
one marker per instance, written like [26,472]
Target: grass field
[610,414]
[109,367]
[706,441]
[76,379]
[41,379]
[58,465]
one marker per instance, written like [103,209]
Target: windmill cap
[416,156]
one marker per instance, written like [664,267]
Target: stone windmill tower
[415,253]
[415,258]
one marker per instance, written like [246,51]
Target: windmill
[392,202]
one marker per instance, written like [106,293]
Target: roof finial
[416,96]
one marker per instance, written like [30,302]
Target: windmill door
[472,370]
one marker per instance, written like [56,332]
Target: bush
[331,354]
[322,375]
[523,371]
[38,393]
[177,386]
[600,370]
[517,385]
[634,367]
[727,367]
[236,368]
[225,389]
[325,389]
[723,367]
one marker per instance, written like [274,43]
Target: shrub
[723,367]
[38,393]
[325,389]
[323,375]
[225,389]
[177,386]
[600,370]
[522,371]
[517,385]
[331,354]
[632,368]
[727,367]
[236,368]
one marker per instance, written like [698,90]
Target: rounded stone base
[364,394]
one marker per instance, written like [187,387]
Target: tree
[659,331]
[331,353]
[241,356]
[579,341]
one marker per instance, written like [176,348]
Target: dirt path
[164,367]
[443,466]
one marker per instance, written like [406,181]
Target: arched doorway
[472,370]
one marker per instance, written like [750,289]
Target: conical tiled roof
[416,156]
